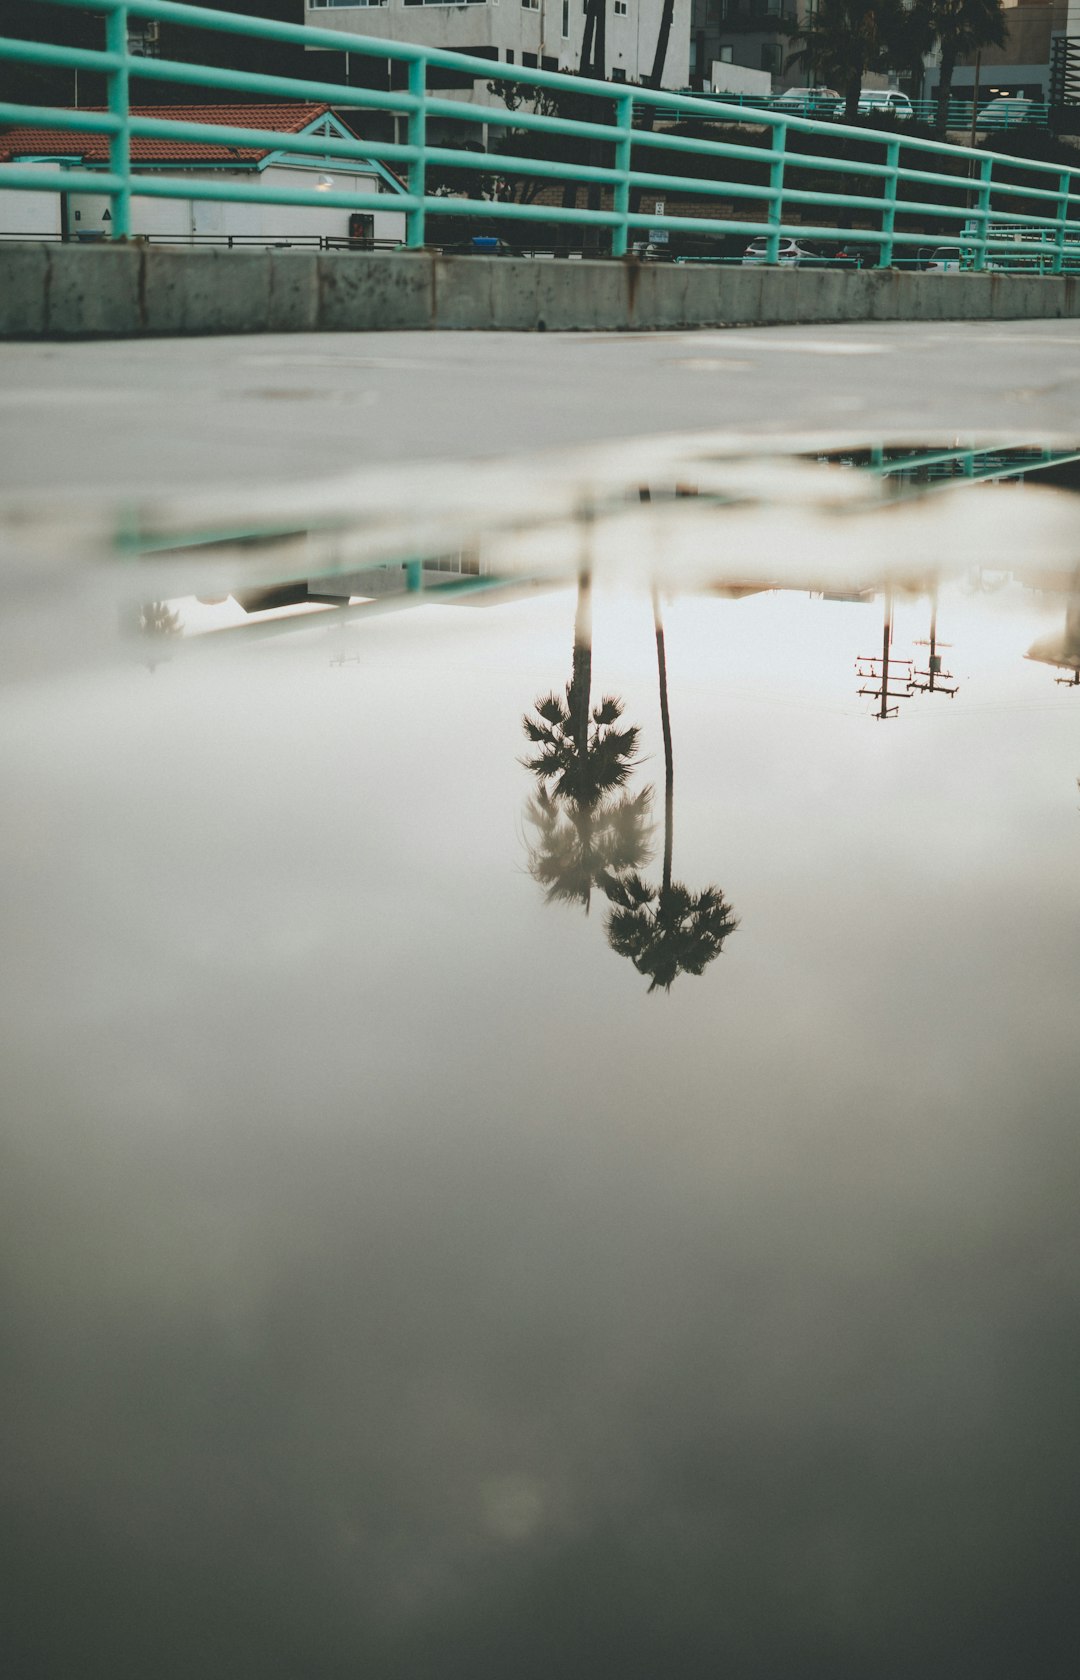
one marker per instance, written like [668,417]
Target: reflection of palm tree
[582,755]
[587,830]
[580,847]
[667,930]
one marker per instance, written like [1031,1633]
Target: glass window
[566,20]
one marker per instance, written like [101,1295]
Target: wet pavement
[103,418]
[541,1062]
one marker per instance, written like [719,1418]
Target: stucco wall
[508,26]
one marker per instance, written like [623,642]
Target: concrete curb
[58,291]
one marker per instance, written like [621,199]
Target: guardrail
[990,116]
[903,192]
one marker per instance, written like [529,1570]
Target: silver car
[792,252]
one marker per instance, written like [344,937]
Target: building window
[618,75]
[723,55]
[620,8]
[566,20]
[772,57]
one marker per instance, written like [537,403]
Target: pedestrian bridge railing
[650,165]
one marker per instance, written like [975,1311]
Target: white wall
[737,78]
[36,214]
[507,25]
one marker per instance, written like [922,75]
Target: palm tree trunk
[581,678]
[662,39]
[669,760]
[851,99]
[948,65]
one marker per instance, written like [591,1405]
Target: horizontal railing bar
[531,120]
[707,148]
[287,88]
[59,116]
[244,192]
[256,139]
[29,178]
[67,58]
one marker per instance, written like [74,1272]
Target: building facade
[618,45]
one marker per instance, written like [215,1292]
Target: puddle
[549,1129]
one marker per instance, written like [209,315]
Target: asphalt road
[104,419]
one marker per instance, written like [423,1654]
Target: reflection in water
[876,668]
[934,680]
[667,930]
[1064,650]
[581,847]
[591,833]
[587,830]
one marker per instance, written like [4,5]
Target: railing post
[1064,183]
[624,117]
[888,214]
[116,41]
[417,132]
[776,197]
[982,206]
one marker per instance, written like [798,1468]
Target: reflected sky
[395,1286]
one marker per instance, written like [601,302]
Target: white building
[87,215]
[539,34]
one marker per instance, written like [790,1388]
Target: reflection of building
[1063,650]
[88,215]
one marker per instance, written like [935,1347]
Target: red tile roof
[94,148]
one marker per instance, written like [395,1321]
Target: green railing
[991,115]
[902,193]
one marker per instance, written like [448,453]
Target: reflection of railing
[689,183]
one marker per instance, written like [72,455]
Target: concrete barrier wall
[49,290]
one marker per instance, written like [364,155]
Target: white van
[885,101]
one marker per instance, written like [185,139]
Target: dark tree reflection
[667,930]
[578,848]
[586,829]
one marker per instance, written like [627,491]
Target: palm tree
[580,847]
[959,27]
[667,930]
[844,39]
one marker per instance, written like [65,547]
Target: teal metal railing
[886,193]
[990,115]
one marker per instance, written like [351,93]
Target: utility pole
[876,668]
[937,681]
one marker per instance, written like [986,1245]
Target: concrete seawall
[49,290]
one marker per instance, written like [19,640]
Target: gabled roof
[94,148]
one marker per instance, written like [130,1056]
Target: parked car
[792,252]
[1006,112]
[947,259]
[886,102]
[809,102]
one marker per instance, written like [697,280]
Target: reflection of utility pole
[937,680]
[876,667]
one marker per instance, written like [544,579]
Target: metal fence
[991,116]
[650,164]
